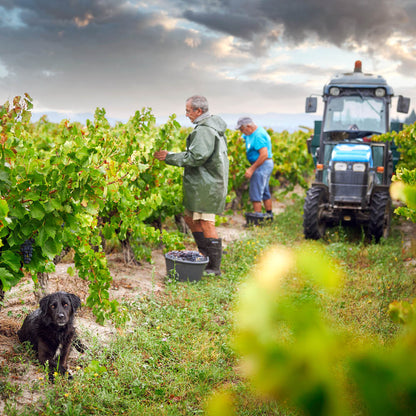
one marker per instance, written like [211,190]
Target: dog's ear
[44,308]
[75,301]
[44,304]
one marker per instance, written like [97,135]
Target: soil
[129,283]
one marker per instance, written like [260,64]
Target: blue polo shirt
[255,141]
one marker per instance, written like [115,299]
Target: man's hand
[160,154]
[249,172]
[262,157]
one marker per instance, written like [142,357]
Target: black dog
[50,329]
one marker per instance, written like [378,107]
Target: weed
[8,389]
[4,370]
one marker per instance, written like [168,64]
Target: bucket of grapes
[185,265]
[258,218]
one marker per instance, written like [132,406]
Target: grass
[176,350]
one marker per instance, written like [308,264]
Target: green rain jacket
[205,178]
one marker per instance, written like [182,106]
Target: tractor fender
[381,188]
[322,186]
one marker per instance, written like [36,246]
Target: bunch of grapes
[26,250]
[186,255]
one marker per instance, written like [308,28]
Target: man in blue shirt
[259,154]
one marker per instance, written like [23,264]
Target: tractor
[352,170]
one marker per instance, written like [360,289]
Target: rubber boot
[201,242]
[214,251]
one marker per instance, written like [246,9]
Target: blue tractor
[353,172]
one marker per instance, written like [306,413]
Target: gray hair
[198,101]
[244,121]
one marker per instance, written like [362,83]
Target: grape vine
[404,181]
[67,185]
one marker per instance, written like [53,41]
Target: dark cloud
[66,11]
[338,20]
[242,26]
[335,22]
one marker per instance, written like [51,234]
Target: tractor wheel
[314,224]
[380,216]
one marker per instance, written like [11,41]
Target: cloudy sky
[245,56]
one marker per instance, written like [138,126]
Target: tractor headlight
[340,166]
[358,167]
[380,92]
[334,91]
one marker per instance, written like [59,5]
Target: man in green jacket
[205,178]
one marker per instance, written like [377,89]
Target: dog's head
[58,308]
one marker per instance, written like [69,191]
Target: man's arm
[263,155]
[202,145]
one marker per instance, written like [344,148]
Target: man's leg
[256,206]
[259,187]
[267,205]
[198,234]
[199,222]
[267,197]
[208,228]
[206,238]
[256,190]
[213,247]
[194,226]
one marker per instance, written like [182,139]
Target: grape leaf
[51,248]
[4,208]
[37,211]
[11,259]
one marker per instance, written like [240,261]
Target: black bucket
[257,218]
[185,265]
